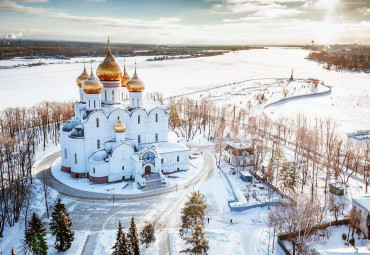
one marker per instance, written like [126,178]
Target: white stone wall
[170,163]
[77,155]
[120,163]
[64,147]
[363,216]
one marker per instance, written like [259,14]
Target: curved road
[95,212]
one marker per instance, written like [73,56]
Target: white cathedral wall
[101,169]
[170,163]
[64,146]
[159,127]
[120,163]
[137,129]
[93,133]
[77,155]
[111,95]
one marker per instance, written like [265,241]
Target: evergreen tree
[132,236]
[34,227]
[121,247]
[60,227]
[284,175]
[194,209]
[197,240]
[13,252]
[38,245]
[147,234]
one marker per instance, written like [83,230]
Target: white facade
[91,148]
[362,206]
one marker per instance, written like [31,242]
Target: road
[95,212]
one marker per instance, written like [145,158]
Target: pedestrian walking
[208,220]
[231,222]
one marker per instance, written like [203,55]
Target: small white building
[115,134]
[238,155]
[362,206]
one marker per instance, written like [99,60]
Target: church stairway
[153,181]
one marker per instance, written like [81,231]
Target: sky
[205,22]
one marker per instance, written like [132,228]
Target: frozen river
[349,103]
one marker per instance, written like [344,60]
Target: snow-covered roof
[70,124]
[364,201]
[239,150]
[77,132]
[99,156]
[166,147]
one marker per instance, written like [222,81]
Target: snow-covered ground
[247,235]
[26,86]
[331,242]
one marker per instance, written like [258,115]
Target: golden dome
[135,84]
[109,69]
[126,77]
[119,127]
[83,77]
[92,85]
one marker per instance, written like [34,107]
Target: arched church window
[98,144]
[138,119]
[123,168]
[65,153]
[97,122]
[112,95]
[156,117]
[94,104]
[133,102]
[137,102]
[178,158]
[156,137]
[75,158]
[94,170]
[105,95]
[138,139]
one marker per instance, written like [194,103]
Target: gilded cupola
[126,77]
[135,84]
[119,127]
[83,77]
[92,85]
[109,69]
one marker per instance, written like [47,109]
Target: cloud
[12,6]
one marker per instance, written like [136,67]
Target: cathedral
[115,135]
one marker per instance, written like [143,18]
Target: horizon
[194,22]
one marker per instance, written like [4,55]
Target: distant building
[362,205]
[238,155]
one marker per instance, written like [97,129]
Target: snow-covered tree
[121,247]
[133,238]
[193,210]
[197,241]
[60,227]
[147,234]
[34,227]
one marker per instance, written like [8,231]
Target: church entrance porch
[148,169]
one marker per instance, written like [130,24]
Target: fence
[285,236]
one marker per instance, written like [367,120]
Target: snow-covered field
[347,104]
[331,242]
